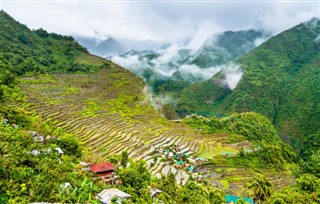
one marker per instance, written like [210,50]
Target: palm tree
[261,188]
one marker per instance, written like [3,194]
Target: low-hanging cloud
[205,30]
[193,71]
[233,74]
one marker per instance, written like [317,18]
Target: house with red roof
[104,169]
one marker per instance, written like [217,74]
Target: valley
[95,115]
[91,111]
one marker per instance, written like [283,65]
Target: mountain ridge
[273,73]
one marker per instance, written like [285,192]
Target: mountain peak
[314,23]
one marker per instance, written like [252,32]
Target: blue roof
[234,199]
[190,168]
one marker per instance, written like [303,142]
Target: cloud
[205,30]
[282,15]
[193,71]
[233,74]
[259,41]
[160,21]
[131,61]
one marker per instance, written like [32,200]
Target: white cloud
[132,61]
[282,15]
[205,30]
[168,22]
[233,74]
[259,41]
[189,71]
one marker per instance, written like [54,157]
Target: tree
[124,158]
[309,182]
[135,176]
[261,188]
[312,165]
[168,184]
[241,201]
[193,193]
[310,145]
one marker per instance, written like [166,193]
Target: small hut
[104,169]
[106,196]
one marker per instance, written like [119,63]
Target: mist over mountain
[192,61]
[280,80]
[110,47]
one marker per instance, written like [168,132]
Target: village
[173,155]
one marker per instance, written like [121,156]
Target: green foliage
[261,188]
[124,158]
[91,109]
[135,176]
[16,115]
[25,177]
[70,146]
[193,193]
[281,81]
[310,154]
[38,51]
[312,164]
[241,201]
[252,126]
[202,98]
[309,182]
[269,152]
[307,190]
[275,155]
[168,185]
[310,145]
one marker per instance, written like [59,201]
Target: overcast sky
[159,20]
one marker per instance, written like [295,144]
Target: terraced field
[109,115]
[234,179]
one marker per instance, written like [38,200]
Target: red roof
[102,167]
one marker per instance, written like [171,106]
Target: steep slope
[281,80]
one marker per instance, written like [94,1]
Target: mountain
[228,46]
[280,80]
[106,48]
[109,47]
[172,67]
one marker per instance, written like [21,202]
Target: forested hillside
[280,80]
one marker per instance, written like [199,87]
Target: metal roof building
[106,195]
